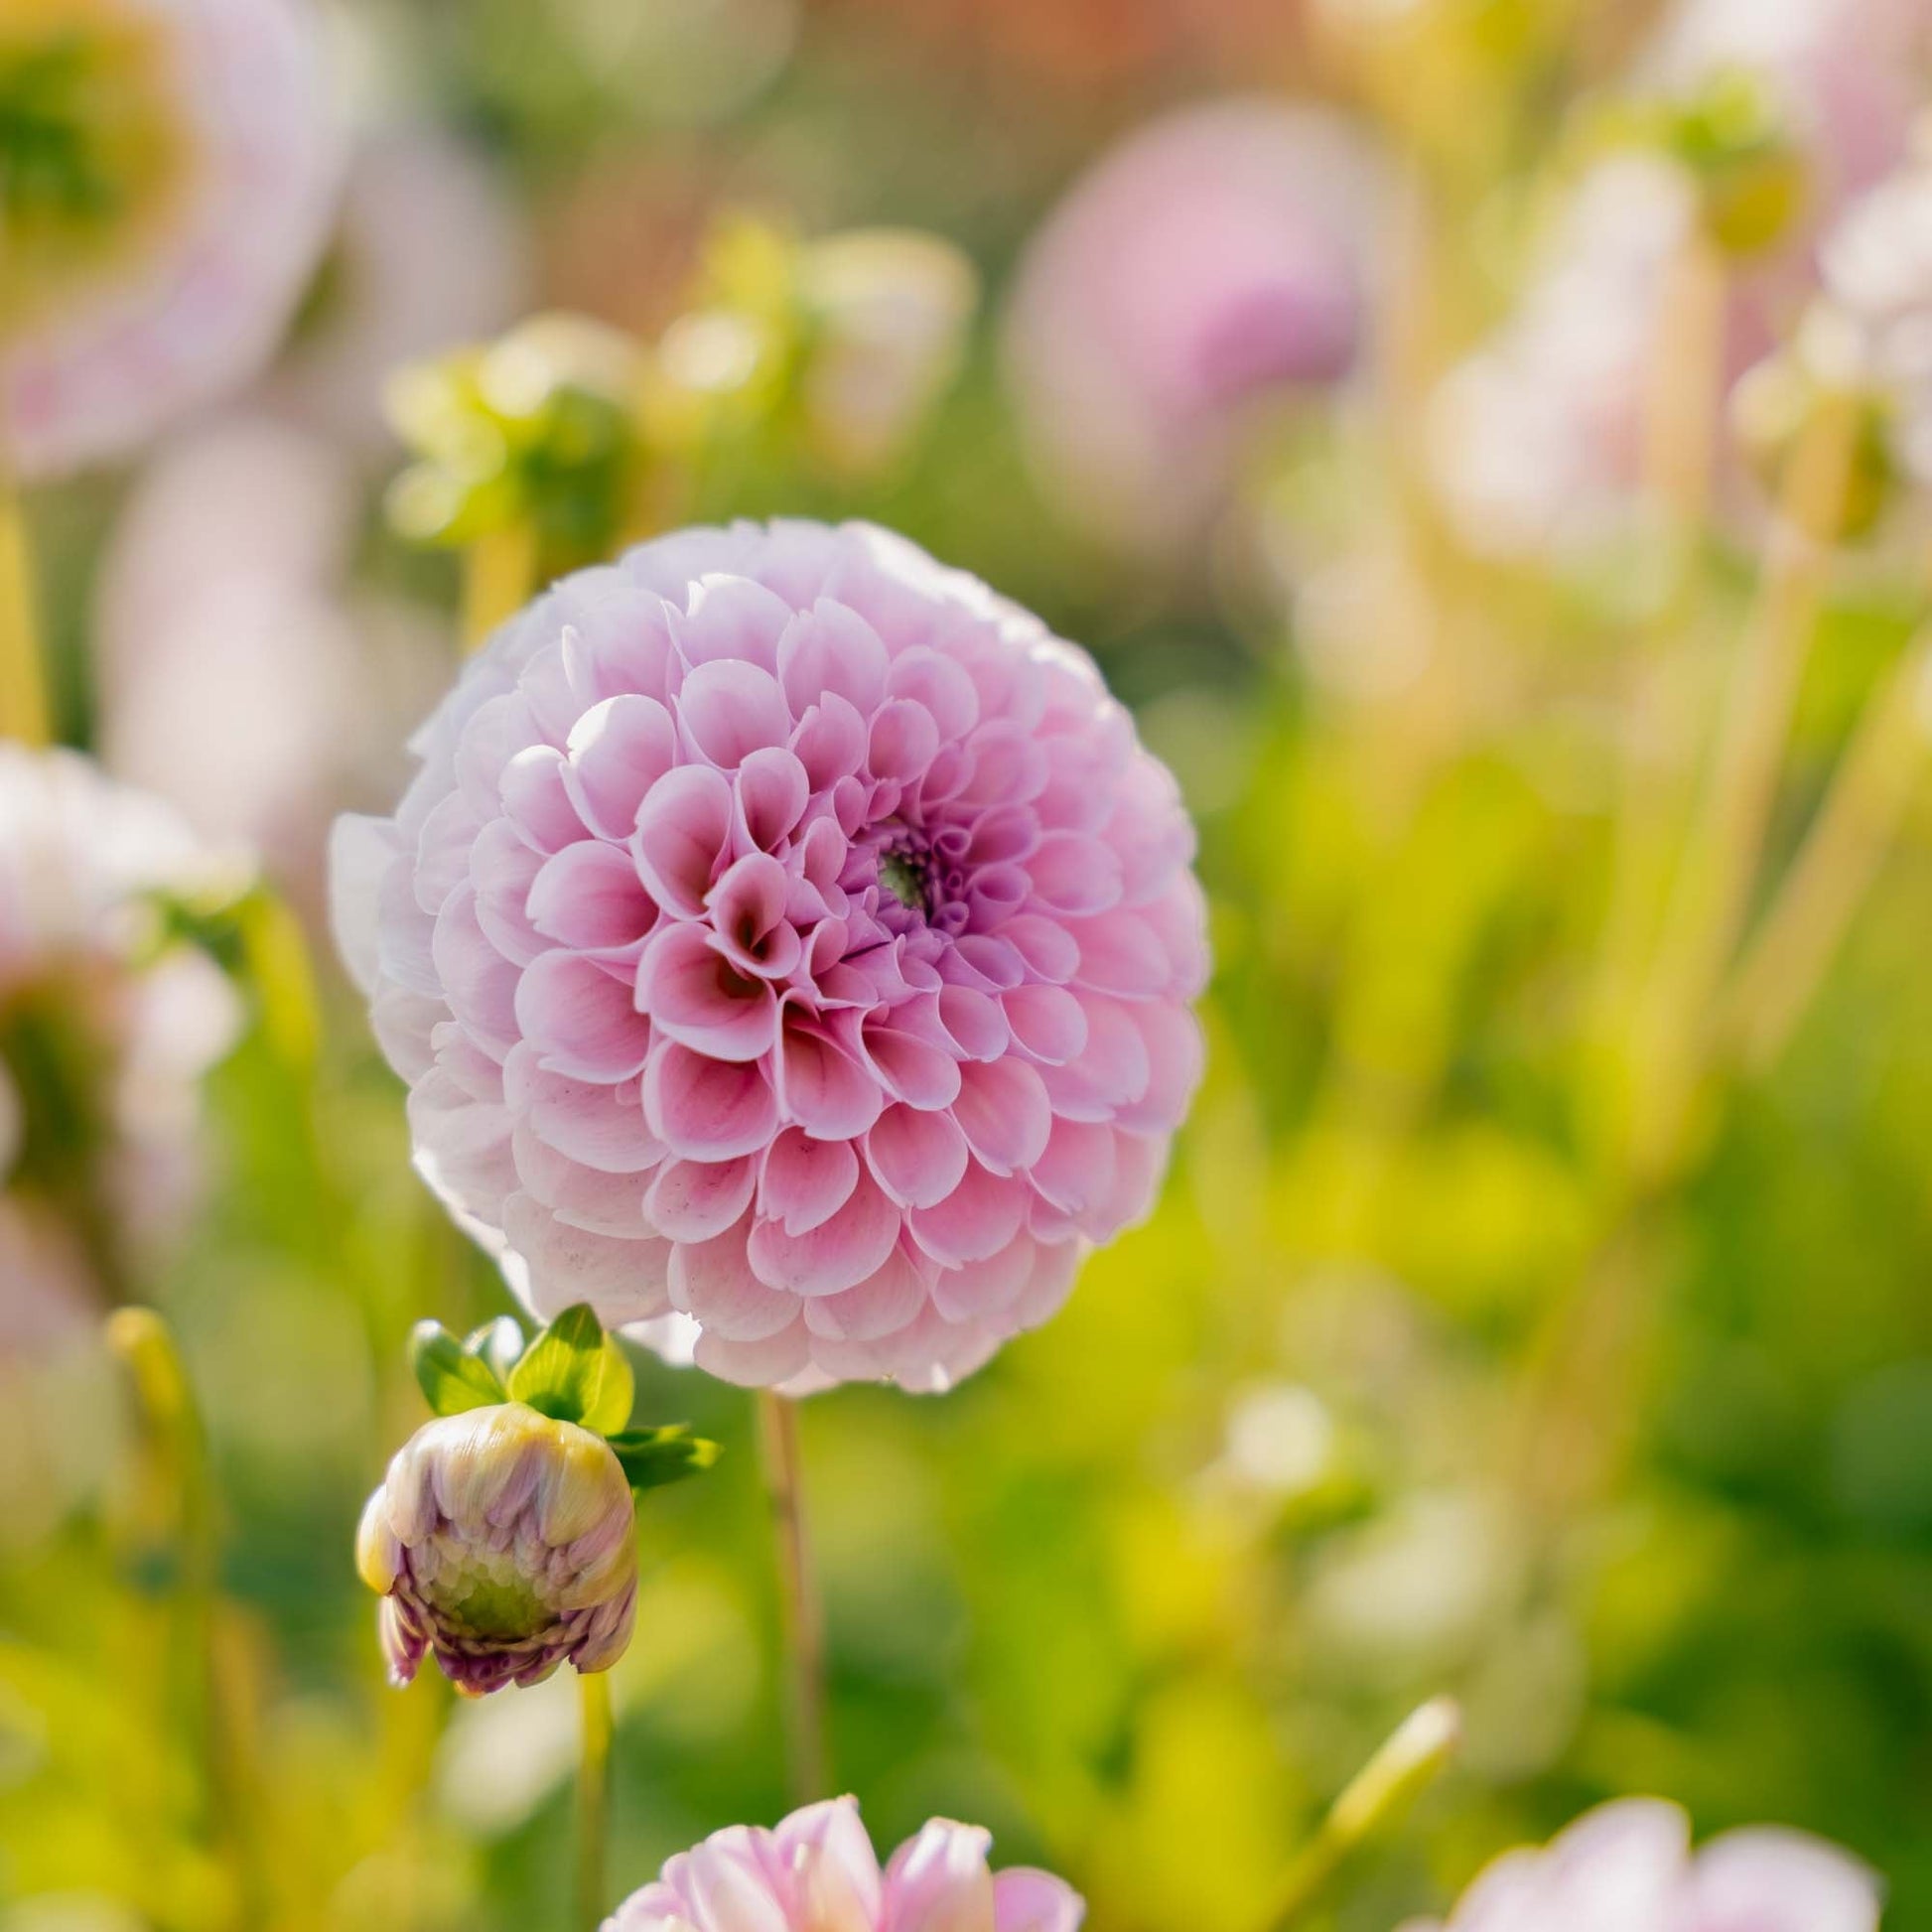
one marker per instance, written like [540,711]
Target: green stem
[25,713]
[1384,1787]
[799,1616]
[593,1798]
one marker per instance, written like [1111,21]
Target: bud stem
[800,1619]
[500,571]
[1379,1793]
[25,713]
[593,1797]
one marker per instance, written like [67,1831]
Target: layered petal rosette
[787,932]
[816,1872]
[1629,1868]
[168,171]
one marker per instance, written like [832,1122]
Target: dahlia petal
[911,1068]
[820,1087]
[697,997]
[1004,1112]
[589,896]
[728,709]
[1140,1164]
[706,1109]
[939,1882]
[586,1197]
[594,1123]
[1075,874]
[836,1254]
[537,802]
[880,1305]
[769,1361]
[695,1200]
[901,741]
[977,1219]
[725,1881]
[1110,1072]
[1055,1265]
[361,851]
[683,832]
[1050,951]
[973,1021]
[831,650]
[493,733]
[748,916]
[618,750]
[1177,1052]
[1075,1173]
[1772,1880]
[917,1157]
[502,869]
[1026,1900]
[840,1886]
[804,1182]
[581,1019]
[981,1291]
[731,619]
[939,686]
[623,1280]
[830,741]
[773,792]
[1120,953]
[481,984]
[1047,1022]
[713,1283]
[442,851]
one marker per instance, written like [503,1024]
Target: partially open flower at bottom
[500,1541]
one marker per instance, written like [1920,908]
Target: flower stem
[1847,842]
[25,713]
[799,1613]
[1379,1793]
[1672,1035]
[593,1797]
[499,573]
[174,1528]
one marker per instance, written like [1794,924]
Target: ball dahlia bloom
[161,228]
[1628,1867]
[106,1032]
[787,932]
[1218,257]
[816,1872]
[500,1541]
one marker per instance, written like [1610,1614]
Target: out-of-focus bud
[1734,137]
[1783,400]
[500,1543]
[888,311]
[535,430]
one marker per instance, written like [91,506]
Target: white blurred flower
[154,262]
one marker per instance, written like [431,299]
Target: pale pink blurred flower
[240,676]
[428,253]
[787,932]
[1628,1867]
[816,1872]
[1221,256]
[502,1541]
[217,219]
[1536,439]
[105,1032]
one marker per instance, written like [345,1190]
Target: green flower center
[94,153]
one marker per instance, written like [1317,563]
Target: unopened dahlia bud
[502,1541]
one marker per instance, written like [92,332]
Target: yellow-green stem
[500,577]
[1378,1795]
[1672,1036]
[1842,851]
[800,1619]
[593,1798]
[177,1519]
[25,712]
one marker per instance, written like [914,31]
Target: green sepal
[499,1344]
[575,1372]
[451,1378]
[652,1457]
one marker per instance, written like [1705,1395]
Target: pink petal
[683,832]
[1004,1113]
[831,648]
[805,1182]
[580,1020]
[589,896]
[617,751]
[939,1881]
[706,1109]
[1073,874]
[977,1219]
[535,798]
[696,996]
[1047,1022]
[916,1157]
[837,1254]
[820,1087]
[712,1281]
[729,709]
[772,789]
[880,1305]
[695,1200]
[901,741]
[1026,1900]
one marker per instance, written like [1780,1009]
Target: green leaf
[652,1457]
[575,1372]
[451,1378]
[499,1344]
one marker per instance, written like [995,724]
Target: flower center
[93,154]
[908,876]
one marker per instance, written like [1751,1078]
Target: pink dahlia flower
[816,1872]
[175,233]
[787,932]
[1221,256]
[1629,1868]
